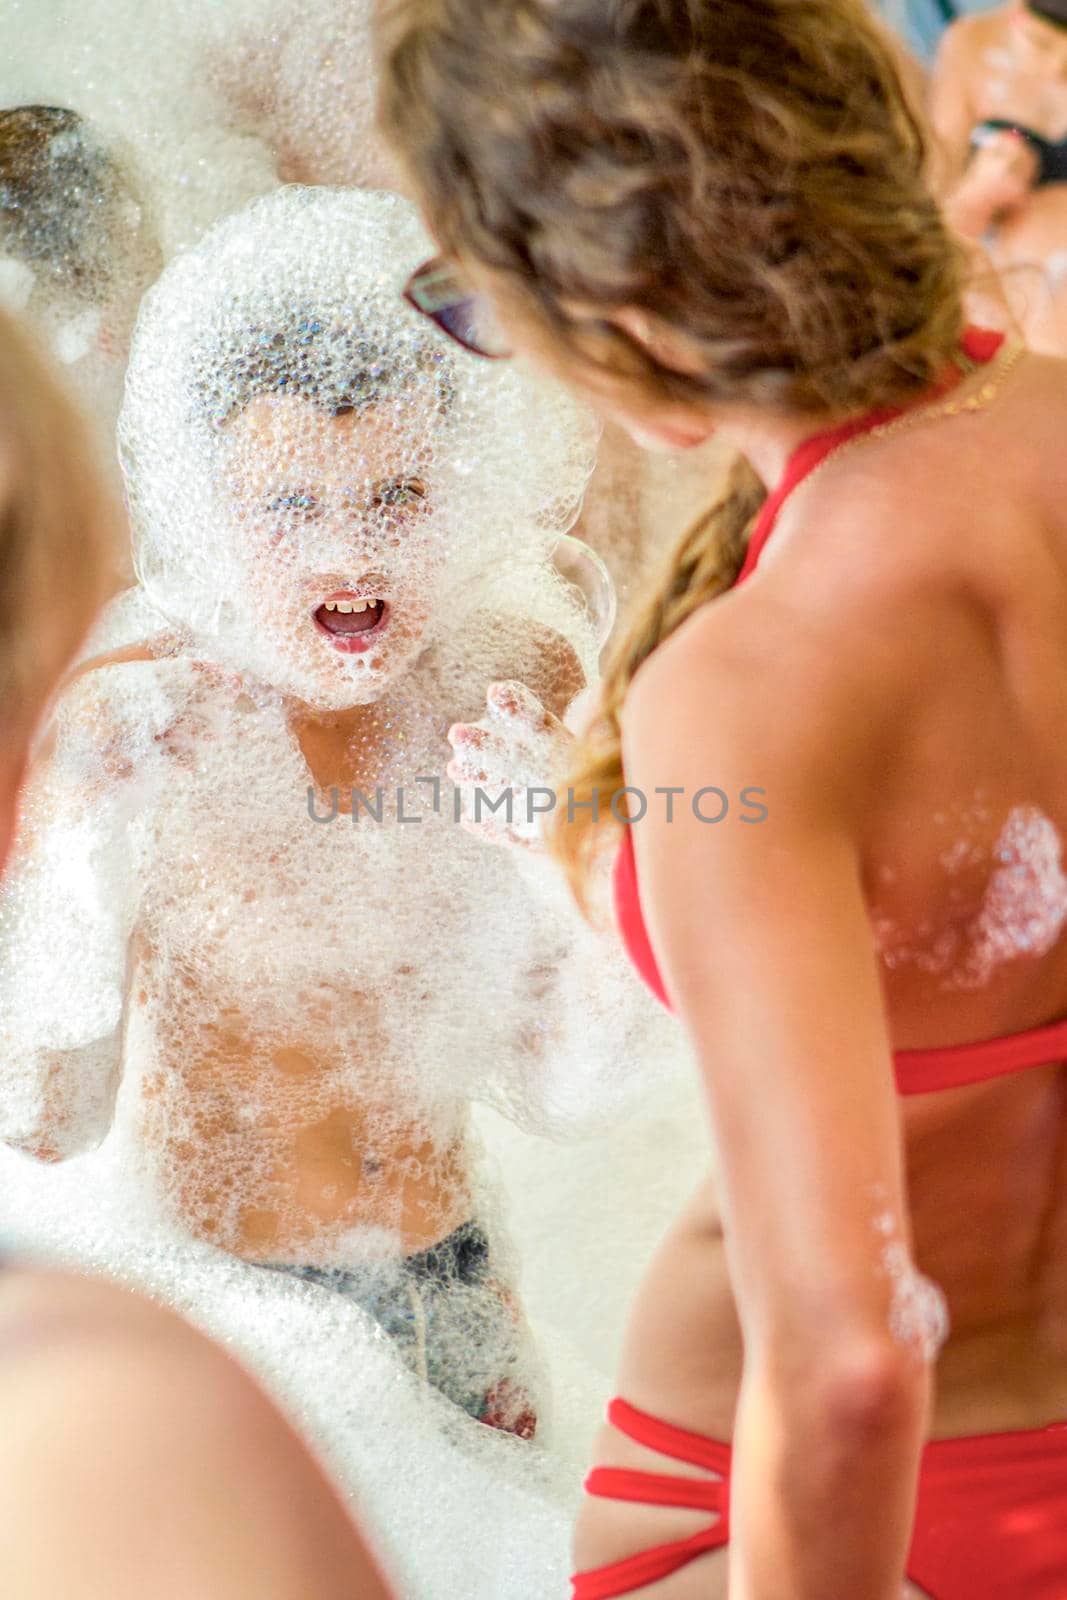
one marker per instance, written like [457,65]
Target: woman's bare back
[960,832]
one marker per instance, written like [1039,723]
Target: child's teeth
[351,605]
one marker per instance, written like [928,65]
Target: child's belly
[311,1010]
[292,1151]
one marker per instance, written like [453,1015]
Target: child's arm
[590,1041]
[68,907]
[587,1040]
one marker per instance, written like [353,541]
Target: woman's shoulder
[752,678]
[818,660]
[834,576]
[938,508]
[887,575]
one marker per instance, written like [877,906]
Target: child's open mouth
[352,621]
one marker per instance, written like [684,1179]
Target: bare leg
[140,1460]
[677,1322]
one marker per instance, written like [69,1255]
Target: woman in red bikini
[713,216]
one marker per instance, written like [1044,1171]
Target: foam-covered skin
[302,1011]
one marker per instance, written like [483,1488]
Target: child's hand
[518,747]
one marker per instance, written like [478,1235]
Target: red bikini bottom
[990,1518]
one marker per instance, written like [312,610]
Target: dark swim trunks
[453,1324]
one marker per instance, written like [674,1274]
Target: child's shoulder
[118,709]
[96,673]
[153,674]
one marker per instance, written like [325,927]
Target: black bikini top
[1051,158]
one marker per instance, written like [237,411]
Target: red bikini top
[917,1071]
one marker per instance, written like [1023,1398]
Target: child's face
[336,542]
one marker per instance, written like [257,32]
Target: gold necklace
[997,371]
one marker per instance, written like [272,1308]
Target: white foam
[1021,910]
[199,984]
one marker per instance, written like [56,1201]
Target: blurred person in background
[999,111]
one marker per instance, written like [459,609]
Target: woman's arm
[981,187]
[764,944]
[995,186]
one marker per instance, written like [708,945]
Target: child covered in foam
[281,971]
[91,1378]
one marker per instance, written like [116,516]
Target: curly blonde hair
[751,177]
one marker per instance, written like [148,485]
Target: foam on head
[293,431]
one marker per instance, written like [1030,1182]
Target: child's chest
[285,857]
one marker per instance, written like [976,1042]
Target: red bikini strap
[659,1489]
[978,344]
[695,1449]
[950,1066]
[656,1489]
[647,1566]
[981,344]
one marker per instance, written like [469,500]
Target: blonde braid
[705,563]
